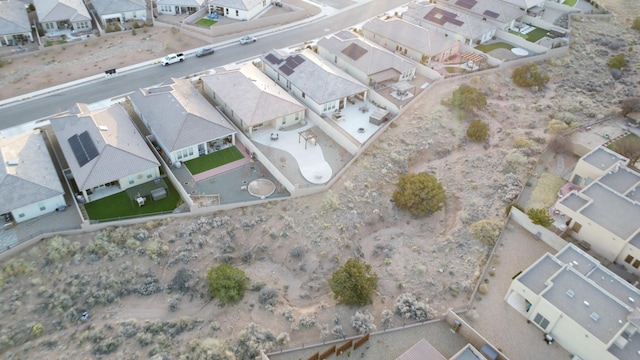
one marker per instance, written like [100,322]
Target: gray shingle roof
[410,36]
[33,179]
[465,25]
[252,95]
[107,7]
[122,150]
[179,115]
[319,79]
[60,10]
[373,59]
[13,18]
[181,3]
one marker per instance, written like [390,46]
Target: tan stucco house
[63,15]
[14,23]
[119,11]
[178,7]
[239,9]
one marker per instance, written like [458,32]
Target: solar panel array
[290,64]
[354,51]
[491,14]
[467,4]
[273,59]
[83,148]
[441,17]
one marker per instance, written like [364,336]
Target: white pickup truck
[172,58]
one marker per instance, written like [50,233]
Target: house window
[149,174]
[284,120]
[288,84]
[190,151]
[21,215]
[179,155]
[297,116]
[303,95]
[541,321]
[130,179]
[41,206]
[628,259]
[636,264]
[237,13]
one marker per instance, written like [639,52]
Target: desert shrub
[408,307]
[207,349]
[282,338]
[466,99]
[557,126]
[362,322]
[507,209]
[387,319]
[297,251]
[512,187]
[174,30]
[268,296]
[59,248]
[307,322]
[18,266]
[486,231]
[483,289]
[107,346]
[183,281]
[136,25]
[477,130]
[173,305]
[338,332]
[149,286]
[636,23]
[247,256]
[251,340]
[516,158]
[617,62]
[528,75]
[419,193]
[354,283]
[156,248]
[521,141]
[129,328]
[629,105]
[227,283]
[629,146]
[117,27]
[540,216]
[559,144]
[36,329]
[330,201]
[134,32]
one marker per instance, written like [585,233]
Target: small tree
[467,99]
[559,144]
[507,209]
[227,283]
[628,146]
[354,283]
[540,217]
[636,24]
[477,130]
[528,75]
[630,105]
[419,193]
[617,62]
[486,231]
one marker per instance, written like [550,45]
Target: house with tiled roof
[604,214]
[497,12]
[183,123]
[177,7]
[55,15]
[410,40]
[119,11]
[103,149]
[317,83]
[239,9]
[29,183]
[579,304]
[450,22]
[14,23]
[252,100]
[371,64]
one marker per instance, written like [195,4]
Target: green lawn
[485,48]
[120,206]
[455,70]
[570,2]
[213,160]
[536,35]
[204,22]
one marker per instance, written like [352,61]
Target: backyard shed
[158,194]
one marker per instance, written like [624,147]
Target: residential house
[252,100]
[365,61]
[604,215]
[63,15]
[449,22]
[182,121]
[119,11]
[318,84]
[239,9]
[424,350]
[410,40]
[178,7]
[29,184]
[104,151]
[501,14]
[15,28]
[580,304]
[533,8]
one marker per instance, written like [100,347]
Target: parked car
[204,52]
[247,39]
[172,58]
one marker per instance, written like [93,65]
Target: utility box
[158,194]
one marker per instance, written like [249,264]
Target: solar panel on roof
[285,69]
[354,51]
[88,145]
[273,59]
[78,151]
[298,59]
[491,14]
[467,4]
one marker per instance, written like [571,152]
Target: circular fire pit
[361,130]
[261,188]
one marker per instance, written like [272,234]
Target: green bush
[486,231]
[540,217]
[466,99]
[421,194]
[507,209]
[227,283]
[136,25]
[617,62]
[636,24]
[477,130]
[528,75]
[36,329]
[354,283]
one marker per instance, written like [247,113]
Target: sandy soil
[125,277]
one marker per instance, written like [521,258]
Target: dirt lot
[140,305]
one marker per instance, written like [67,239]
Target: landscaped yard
[485,48]
[121,206]
[204,22]
[213,160]
[570,2]
[545,192]
[536,35]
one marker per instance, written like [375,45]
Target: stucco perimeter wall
[538,231]
[469,333]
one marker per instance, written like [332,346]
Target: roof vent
[570,293]
[103,128]
[586,303]
[632,299]
[594,316]
[12,162]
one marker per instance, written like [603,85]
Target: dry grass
[545,193]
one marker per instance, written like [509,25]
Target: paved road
[38,108]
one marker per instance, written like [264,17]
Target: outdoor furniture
[378,117]
[158,194]
[337,116]
[364,108]
[274,136]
